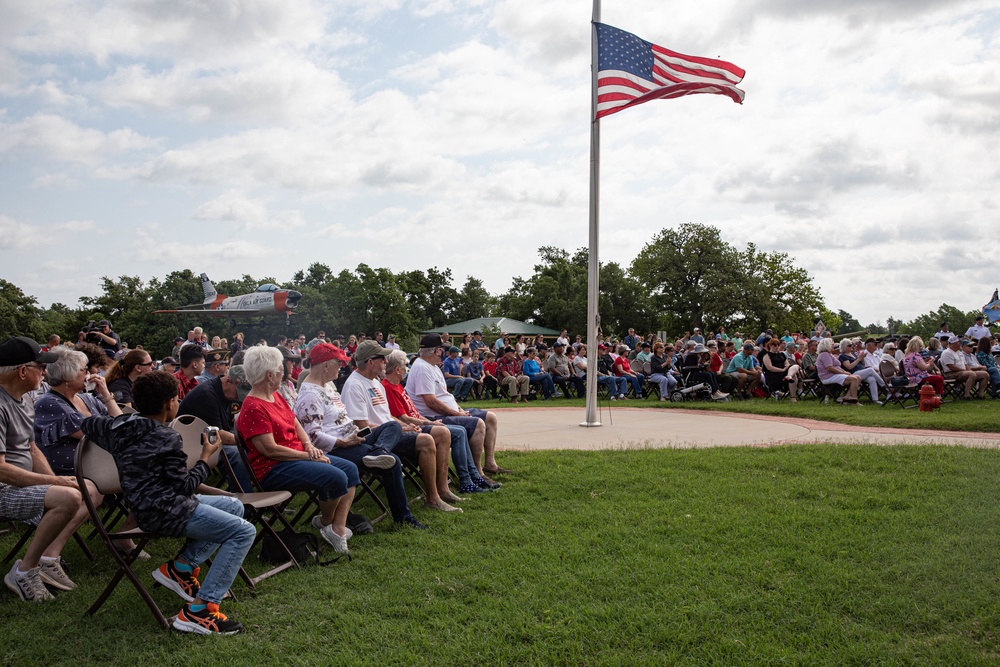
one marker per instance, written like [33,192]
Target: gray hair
[66,366]
[396,359]
[825,345]
[259,360]
[428,351]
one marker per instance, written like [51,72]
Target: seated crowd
[317,416]
[312,417]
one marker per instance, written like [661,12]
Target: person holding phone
[161,492]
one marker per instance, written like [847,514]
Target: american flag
[631,71]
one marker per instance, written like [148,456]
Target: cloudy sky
[258,136]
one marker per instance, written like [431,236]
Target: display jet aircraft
[268,299]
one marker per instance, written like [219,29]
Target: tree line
[683,278]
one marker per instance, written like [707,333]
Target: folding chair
[645,369]
[99,467]
[809,387]
[262,509]
[898,394]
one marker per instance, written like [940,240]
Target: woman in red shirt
[281,455]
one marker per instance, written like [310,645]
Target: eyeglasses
[40,367]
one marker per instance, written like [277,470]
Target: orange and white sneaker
[206,621]
[185,584]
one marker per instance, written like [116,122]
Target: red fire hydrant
[928,399]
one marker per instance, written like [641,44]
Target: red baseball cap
[325,352]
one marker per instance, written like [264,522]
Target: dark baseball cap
[22,350]
[431,340]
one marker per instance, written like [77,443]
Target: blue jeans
[544,379]
[461,454]
[636,382]
[994,377]
[388,436]
[242,476]
[330,480]
[617,386]
[460,387]
[563,384]
[217,523]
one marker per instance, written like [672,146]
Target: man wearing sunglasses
[29,490]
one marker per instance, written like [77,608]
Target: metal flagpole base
[590,424]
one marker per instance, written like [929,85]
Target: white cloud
[246,213]
[15,234]
[75,226]
[56,137]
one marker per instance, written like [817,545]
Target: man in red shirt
[510,375]
[402,408]
[192,365]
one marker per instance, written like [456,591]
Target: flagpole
[594,264]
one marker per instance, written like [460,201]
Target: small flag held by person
[631,71]
[992,309]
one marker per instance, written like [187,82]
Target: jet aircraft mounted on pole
[268,299]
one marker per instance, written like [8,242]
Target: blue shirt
[741,360]
[475,369]
[531,367]
[452,366]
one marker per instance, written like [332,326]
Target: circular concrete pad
[559,428]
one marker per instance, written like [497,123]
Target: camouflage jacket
[153,469]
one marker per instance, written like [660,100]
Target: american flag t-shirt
[631,71]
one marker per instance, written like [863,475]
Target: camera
[90,332]
[212,433]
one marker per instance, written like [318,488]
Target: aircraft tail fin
[206,285]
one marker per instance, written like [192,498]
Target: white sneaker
[382,461]
[338,543]
[51,573]
[28,586]
[317,523]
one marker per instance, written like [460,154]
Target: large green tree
[773,293]
[19,313]
[694,278]
[691,276]
[556,295]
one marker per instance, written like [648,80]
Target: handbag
[303,547]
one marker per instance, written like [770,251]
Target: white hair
[396,359]
[259,360]
[825,345]
[66,366]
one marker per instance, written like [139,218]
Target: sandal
[498,471]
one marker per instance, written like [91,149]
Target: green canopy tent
[504,324]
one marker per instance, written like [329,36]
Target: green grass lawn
[789,555]
[980,416]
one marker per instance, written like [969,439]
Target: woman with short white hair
[281,454]
[830,371]
[60,411]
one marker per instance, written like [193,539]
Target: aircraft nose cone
[293,298]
